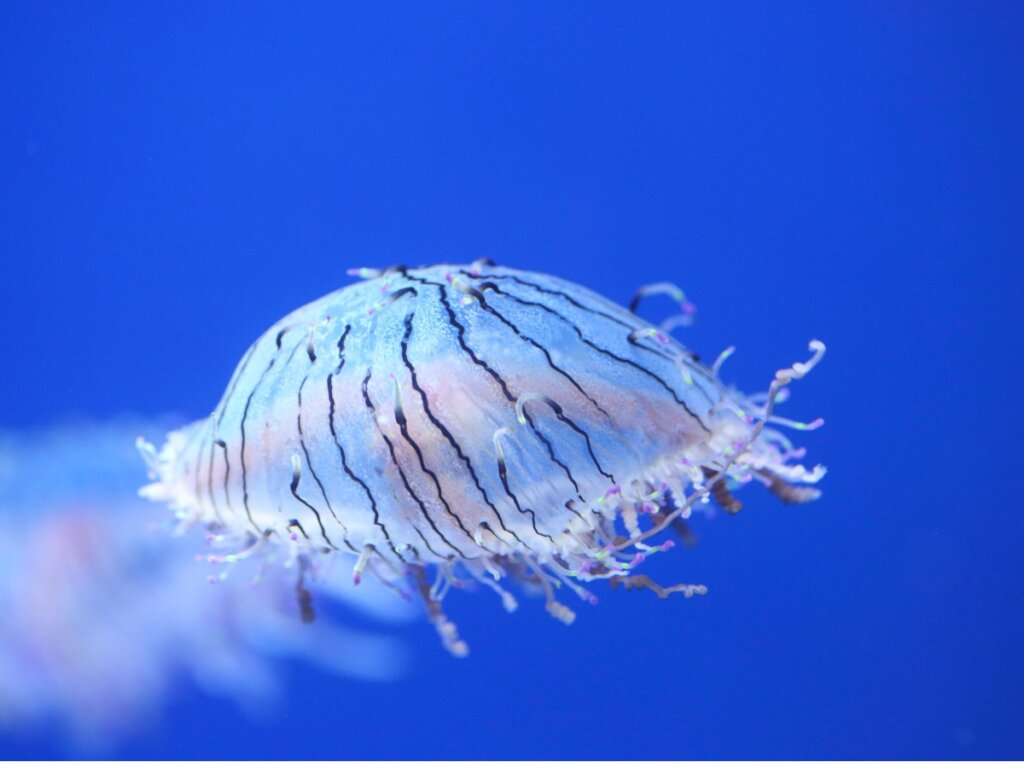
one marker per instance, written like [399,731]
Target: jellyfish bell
[473,422]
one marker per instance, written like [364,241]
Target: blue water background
[176,176]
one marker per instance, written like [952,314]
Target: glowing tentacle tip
[477,266]
[647,333]
[725,355]
[360,564]
[364,273]
[671,290]
[521,402]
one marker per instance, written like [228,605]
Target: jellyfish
[104,614]
[447,425]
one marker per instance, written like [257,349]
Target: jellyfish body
[472,418]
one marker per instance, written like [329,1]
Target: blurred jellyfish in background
[103,613]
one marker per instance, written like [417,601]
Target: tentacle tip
[804,495]
[563,613]
[364,273]
[147,449]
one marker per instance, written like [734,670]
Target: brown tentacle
[305,597]
[722,495]
[644,582]
[787,492]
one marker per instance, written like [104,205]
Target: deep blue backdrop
[174,177]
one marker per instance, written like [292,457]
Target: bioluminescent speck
[453,423]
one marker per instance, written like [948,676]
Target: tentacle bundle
[483,424]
